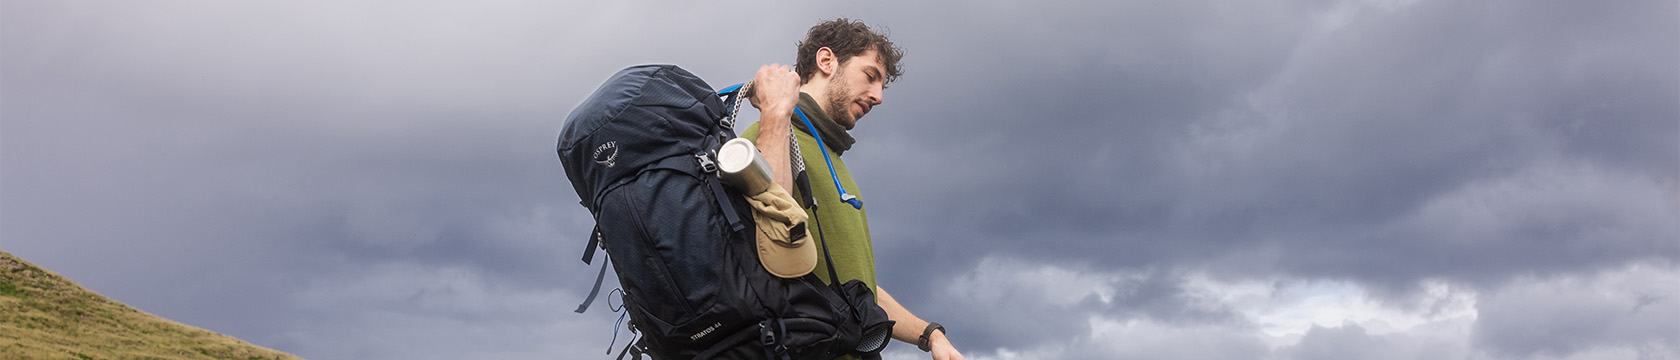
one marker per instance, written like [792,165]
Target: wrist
[778,114]
[933,334]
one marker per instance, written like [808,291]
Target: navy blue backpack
[641,152]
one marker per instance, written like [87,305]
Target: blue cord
[615,332]
[844,197]
[615,324]
[730,89]
[849,199]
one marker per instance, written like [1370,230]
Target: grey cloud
[1026,304]
[1308,158]
[1036,306]
[228,163]
[1558,316]
[245,167]
[208,162]
[1060,145]
[1351,341]
[1570,218]
[1148,340]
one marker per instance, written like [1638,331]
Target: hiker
[839,75]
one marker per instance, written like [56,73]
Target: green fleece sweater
[846,230]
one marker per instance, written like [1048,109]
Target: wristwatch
[927,344]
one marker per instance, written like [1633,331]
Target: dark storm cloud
[1064,127]
[230,163]
[1468,141]
[312,176]
[376,180]
[1326,132]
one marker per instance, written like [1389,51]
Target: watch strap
[925,343]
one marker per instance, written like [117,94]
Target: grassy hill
[45,316]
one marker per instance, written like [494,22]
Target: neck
[818,89]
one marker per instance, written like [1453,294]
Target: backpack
[640,152]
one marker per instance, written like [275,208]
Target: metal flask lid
[743,167]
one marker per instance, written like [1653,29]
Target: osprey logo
[607,154]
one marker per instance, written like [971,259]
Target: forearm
[774,136]
[775,92]
[907,328]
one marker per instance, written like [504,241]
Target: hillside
[45,316]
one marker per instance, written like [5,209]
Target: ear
[827,64]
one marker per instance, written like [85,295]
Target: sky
[1198,179]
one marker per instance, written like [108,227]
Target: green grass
[45,316]
[9,289]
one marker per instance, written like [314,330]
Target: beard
[839,105]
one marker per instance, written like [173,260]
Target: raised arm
[775,92]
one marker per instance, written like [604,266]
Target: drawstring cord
[619,309]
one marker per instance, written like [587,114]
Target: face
[855,88]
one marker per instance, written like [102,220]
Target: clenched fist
[775,90]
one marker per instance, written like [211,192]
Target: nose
[875,95]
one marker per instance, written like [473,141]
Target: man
[841,70]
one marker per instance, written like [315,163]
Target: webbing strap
[595,290]
[732,99]
[803,182]
[594,242]
[834,279]
[636,352]
[772,333]
[735,223]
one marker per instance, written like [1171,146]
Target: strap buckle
[706,163]
[765,336]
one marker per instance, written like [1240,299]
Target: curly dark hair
[847,38]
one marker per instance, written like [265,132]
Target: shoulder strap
[833,276]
